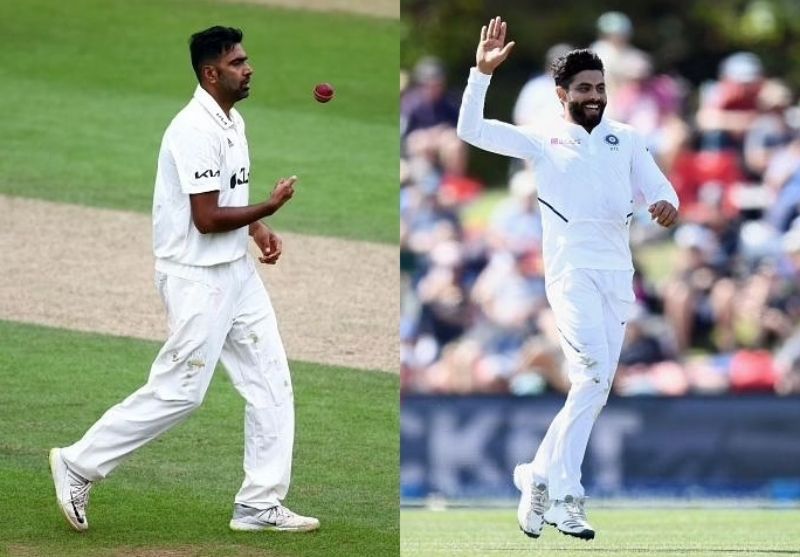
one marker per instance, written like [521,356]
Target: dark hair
[211,43]
[574,62]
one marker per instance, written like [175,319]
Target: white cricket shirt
[202,150]
[586,182]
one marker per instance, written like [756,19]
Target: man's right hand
[283,192]
[492,48]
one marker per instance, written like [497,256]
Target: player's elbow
[202,228]
[464,133]
[203,223]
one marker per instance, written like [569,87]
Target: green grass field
[176,493]
[92,84]
[620,533]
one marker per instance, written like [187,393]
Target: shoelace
[539,500]
[575,510]
[79,491]
[272,515]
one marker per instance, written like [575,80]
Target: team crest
[612,139]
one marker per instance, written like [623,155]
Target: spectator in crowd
[770,130]
[428,118]
[444,313]
[729,106]
[782,180]
[651,104]
[727,109]
[648,361]
[426,104]
[698,300]
[787,357]
[508,295]
[537,101]
[613,46]
[515,225]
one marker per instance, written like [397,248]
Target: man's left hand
[663,213]
[269,243]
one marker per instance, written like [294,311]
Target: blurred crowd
[718,295]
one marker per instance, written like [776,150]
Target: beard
[581,116]
[235,89]
[242,91]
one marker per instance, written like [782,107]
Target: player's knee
[602,402]
[194,401]
[182,383]
[592,391]
[181,399]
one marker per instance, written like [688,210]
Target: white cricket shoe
[248,519]
[72,492]
[569,517]
[532,501]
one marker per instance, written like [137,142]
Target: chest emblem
[613,141]
[230,143]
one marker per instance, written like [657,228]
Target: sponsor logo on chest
[241,177]
[564,141]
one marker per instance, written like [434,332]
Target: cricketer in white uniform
[217,306]
[588,171]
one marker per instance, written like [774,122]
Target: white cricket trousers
[591,307]
[220,312]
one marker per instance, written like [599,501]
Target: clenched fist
[663,213]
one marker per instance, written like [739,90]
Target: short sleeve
[198,160]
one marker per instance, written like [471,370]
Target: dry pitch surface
[377,8]
[92,270]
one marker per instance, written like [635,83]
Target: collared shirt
[202,150]
[586,182]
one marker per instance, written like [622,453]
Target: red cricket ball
[324,92]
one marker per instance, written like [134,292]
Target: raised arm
[491,135]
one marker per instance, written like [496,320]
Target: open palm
[492,48]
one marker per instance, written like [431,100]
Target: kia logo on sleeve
[206,174]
